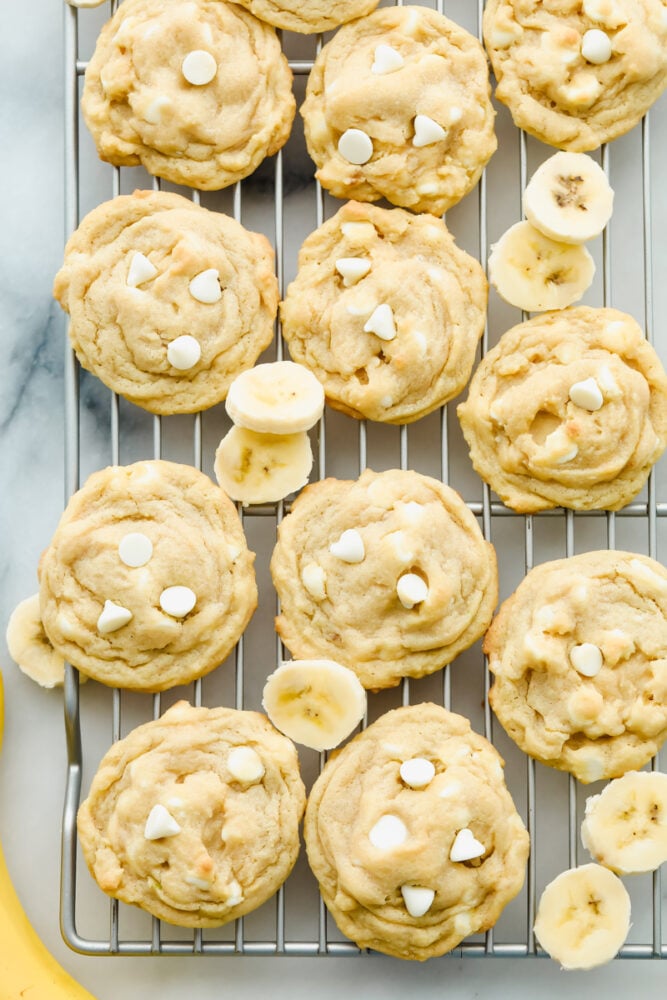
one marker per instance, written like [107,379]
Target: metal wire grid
[322,942]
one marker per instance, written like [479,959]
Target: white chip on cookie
[113,617]
[418,900]
[587,394]
[596,46]
[412,590]
[205,286]
[199,67]
[388,832]
[160,823]
[355,146]
[184,352]
[352,269]
[349,547]
[386,60]
[177,601]
[135,549]
[245,765]
[427,131]
[586,659]
[466,846]
[381,322]
[314,580]
[140,270]
[417,772]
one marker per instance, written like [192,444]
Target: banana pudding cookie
[194,817]
[579,654]
[148,581]
[381,352]
[388,575]
[398,107]
[168,302]
[413,835]
[197,91]
[568,409]
[308,16]
[577,73]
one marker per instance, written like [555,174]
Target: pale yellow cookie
[398,107]
[351,315]
[579,654]
[308,16]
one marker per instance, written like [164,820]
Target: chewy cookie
[577,73]
[168,302]
[148,581]
[413,835]
[308,16]
[398,107]
[388,575]
[579,654]
[197,91]
[351,315]
[195,817]
[568,409]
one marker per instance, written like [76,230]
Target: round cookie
[579,654]
[148,581]
[398,107]
[413,835]
[395,548]
[568,409]
[194,817]
[367,261]
[168,302]
[308,16]
[577,73]
[197,91]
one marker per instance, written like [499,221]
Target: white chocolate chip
[199,67]
[177,601]
[412,512]
[427,131]
[349,547]
[450,789]
[184,352]
[428,188]
[559,447]
[417,772]
[198,883]
[568,456]
[411,590]
[608,383]
[140,270]
[233,552]
[388,832]
[160,823]
[596,47]
[235,894]
[587,394]
[455,115]
[421,341]
[355,146]
[466,846]
[113,617]
[402,551]
[135,549]
[175,802]
[387,60]
[462,924]
[352,269]
[245,764]
[360,232]
[386,401]
[381,323]
[314,580]
[205,286]
[647,575]
[583,91]
[153,113]
[545,617]
[361,308]
[66,626]
[603,11]
[586,659]
[417,899]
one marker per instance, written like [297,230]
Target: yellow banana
[27,970]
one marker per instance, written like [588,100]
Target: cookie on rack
[308,16]
[398,107]
[568,409]
[577,73]
[413,836]
[197,91]
[379,353]
[148,581]
[194,817]
[579,654]
[168,302]
[388,575]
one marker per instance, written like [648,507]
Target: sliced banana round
[276,398]
[314,702]
[625,826]
[535,273]
[583,917]
[569,198]
[29,646]
[262,468]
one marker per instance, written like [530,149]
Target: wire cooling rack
[283,201]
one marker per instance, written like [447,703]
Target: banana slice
[569,198]
[535,273]
[261,468]
[277,398]
[625,826]
[583,917]
[314,702]
[29,646]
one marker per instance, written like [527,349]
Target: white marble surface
[32,765]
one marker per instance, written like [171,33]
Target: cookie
[398,107]
[194,817]
[168,302]
[351,316]
[579,654]
[577,73]
[388,575]
[308,16]
[413,835]
[197,91]
[568,409]
[148,581]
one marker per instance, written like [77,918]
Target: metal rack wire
[541,807]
